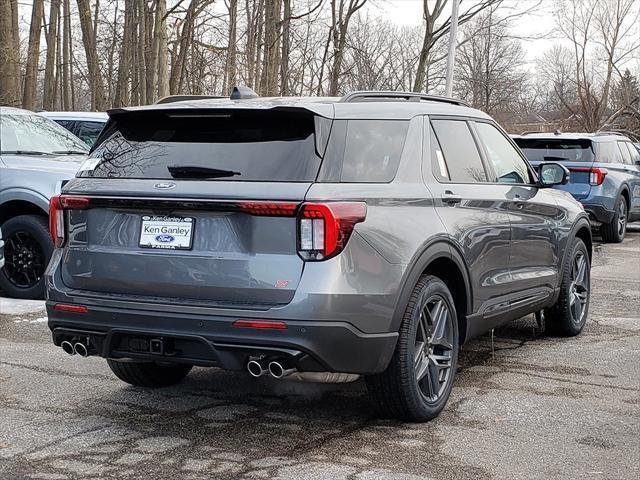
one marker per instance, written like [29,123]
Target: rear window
[238,145]
[556,149]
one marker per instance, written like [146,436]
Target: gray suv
[311,237]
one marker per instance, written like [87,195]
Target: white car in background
[84,125]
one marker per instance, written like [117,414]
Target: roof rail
[363,96]
[180,98]
[605,132]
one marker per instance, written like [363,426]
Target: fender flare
[25,195]
[437,248]
[580,222]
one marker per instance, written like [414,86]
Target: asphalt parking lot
[531,407]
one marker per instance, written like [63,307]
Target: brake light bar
[596,174]
[325,228]
[269,209]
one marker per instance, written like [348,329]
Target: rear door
[631,159]
[474,212]
[199,207]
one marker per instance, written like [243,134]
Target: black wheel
[149,374]
[614,232]
[417,383]
[27,250]
[569,315]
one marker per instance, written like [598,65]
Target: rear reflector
[268,324]
[63,307]
[596,175]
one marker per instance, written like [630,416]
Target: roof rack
[181,98]
[604,132]
[363,96]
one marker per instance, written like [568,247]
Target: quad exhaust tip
[68,347]
[277,370]
[255,368]
[81,349]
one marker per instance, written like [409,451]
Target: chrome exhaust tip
[81,349]
[255,368]
[277,370]
[67,347]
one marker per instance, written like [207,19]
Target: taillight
[325,228]
[57,205]
[596,175]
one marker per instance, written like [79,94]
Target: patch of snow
[13,306]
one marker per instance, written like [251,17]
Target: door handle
[450,198]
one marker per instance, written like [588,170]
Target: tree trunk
[33,55]
[9,54]
[286,47]
[66,57]
[163,49]
[49,70]
[96,83]
[231,64]
[271,60]
[121,97]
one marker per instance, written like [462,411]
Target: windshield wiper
[200,172]
[69,152]
[23,152]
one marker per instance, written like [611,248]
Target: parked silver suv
[370,234]
[36,156]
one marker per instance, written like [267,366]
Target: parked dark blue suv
[605,174]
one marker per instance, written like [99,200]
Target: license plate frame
[166,232]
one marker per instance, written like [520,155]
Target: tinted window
[608,152]
[635,154]
[459,151]
[28,132]
[89,131]
[68,124]
[507,162]
[372,150]
[239,145]
[624,151]
[556,149]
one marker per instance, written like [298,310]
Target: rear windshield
[245,145]
[556,150]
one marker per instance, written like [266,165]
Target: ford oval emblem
[164,185]
[165,238]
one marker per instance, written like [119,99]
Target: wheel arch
[441,259]
[19,206]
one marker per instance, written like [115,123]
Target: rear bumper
[213,341]
[599,213]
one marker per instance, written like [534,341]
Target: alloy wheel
[622,217]
[579,288]
[24,260]
[433,353]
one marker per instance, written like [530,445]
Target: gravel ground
[530,407]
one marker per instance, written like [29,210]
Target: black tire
[563,319]
[398,392]
[149,374]
[33,231]
[614,231]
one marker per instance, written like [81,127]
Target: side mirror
[637,162]
[552,173]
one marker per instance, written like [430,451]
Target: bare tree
[33,56]
[96,84]
[9,53]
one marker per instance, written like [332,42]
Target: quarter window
[460,160]
[507,163]
[607,152]
[626,156]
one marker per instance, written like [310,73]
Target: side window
[89,131]
[460,160]
[626,157]
[507,162]
[635,154]
[608,152]
[68,124]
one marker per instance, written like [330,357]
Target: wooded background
[98,54]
